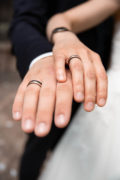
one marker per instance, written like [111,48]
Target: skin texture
[34,106]
[89,77]
[90,14]
[86,80]
[83,16]
[76,19]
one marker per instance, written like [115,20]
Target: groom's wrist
[47,54]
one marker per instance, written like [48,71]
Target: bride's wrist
[62,36]
[57,21]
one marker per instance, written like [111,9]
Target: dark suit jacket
[28,30]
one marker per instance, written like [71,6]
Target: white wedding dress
[90,148]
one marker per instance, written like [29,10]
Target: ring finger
[30,107]
[45,108]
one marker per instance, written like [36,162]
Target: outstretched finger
[60,67]
[64,96]
[18,101]
[45,108]
[30,107]
[102,81]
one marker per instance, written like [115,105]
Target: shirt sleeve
[27,32]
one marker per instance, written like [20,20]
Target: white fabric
[90,148]
[40,57]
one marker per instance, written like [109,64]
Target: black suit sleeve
[28,31]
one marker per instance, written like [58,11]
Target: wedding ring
[72,57]
[35,82]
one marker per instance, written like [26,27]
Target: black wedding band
[35,82]
[72,57]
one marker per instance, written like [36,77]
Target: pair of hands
[86,81]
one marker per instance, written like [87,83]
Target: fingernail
[28,124]
[42,127]
[80,96]
[90,106]
[61,119]
[102,102]
[17,115]
[60,75]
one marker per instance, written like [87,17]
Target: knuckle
[91,74]
[58,56]
[84,51]
[50,91]
[90,98]
[33,89]
[41,114]
[78,83]
[61,103]
[59,69]
[79,68]
[28,115]
[65,86]
[54,49]
[102,92]
[97,56]
[60,65]
[18,98]
[29,90]
[102,96]
[103,76]
[57,49]
[79,87]
[76,65]
[21,88]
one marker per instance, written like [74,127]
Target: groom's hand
[35,105]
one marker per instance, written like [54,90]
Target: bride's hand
[89,77]
[35,105]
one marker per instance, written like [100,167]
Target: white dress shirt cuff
[40,57]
